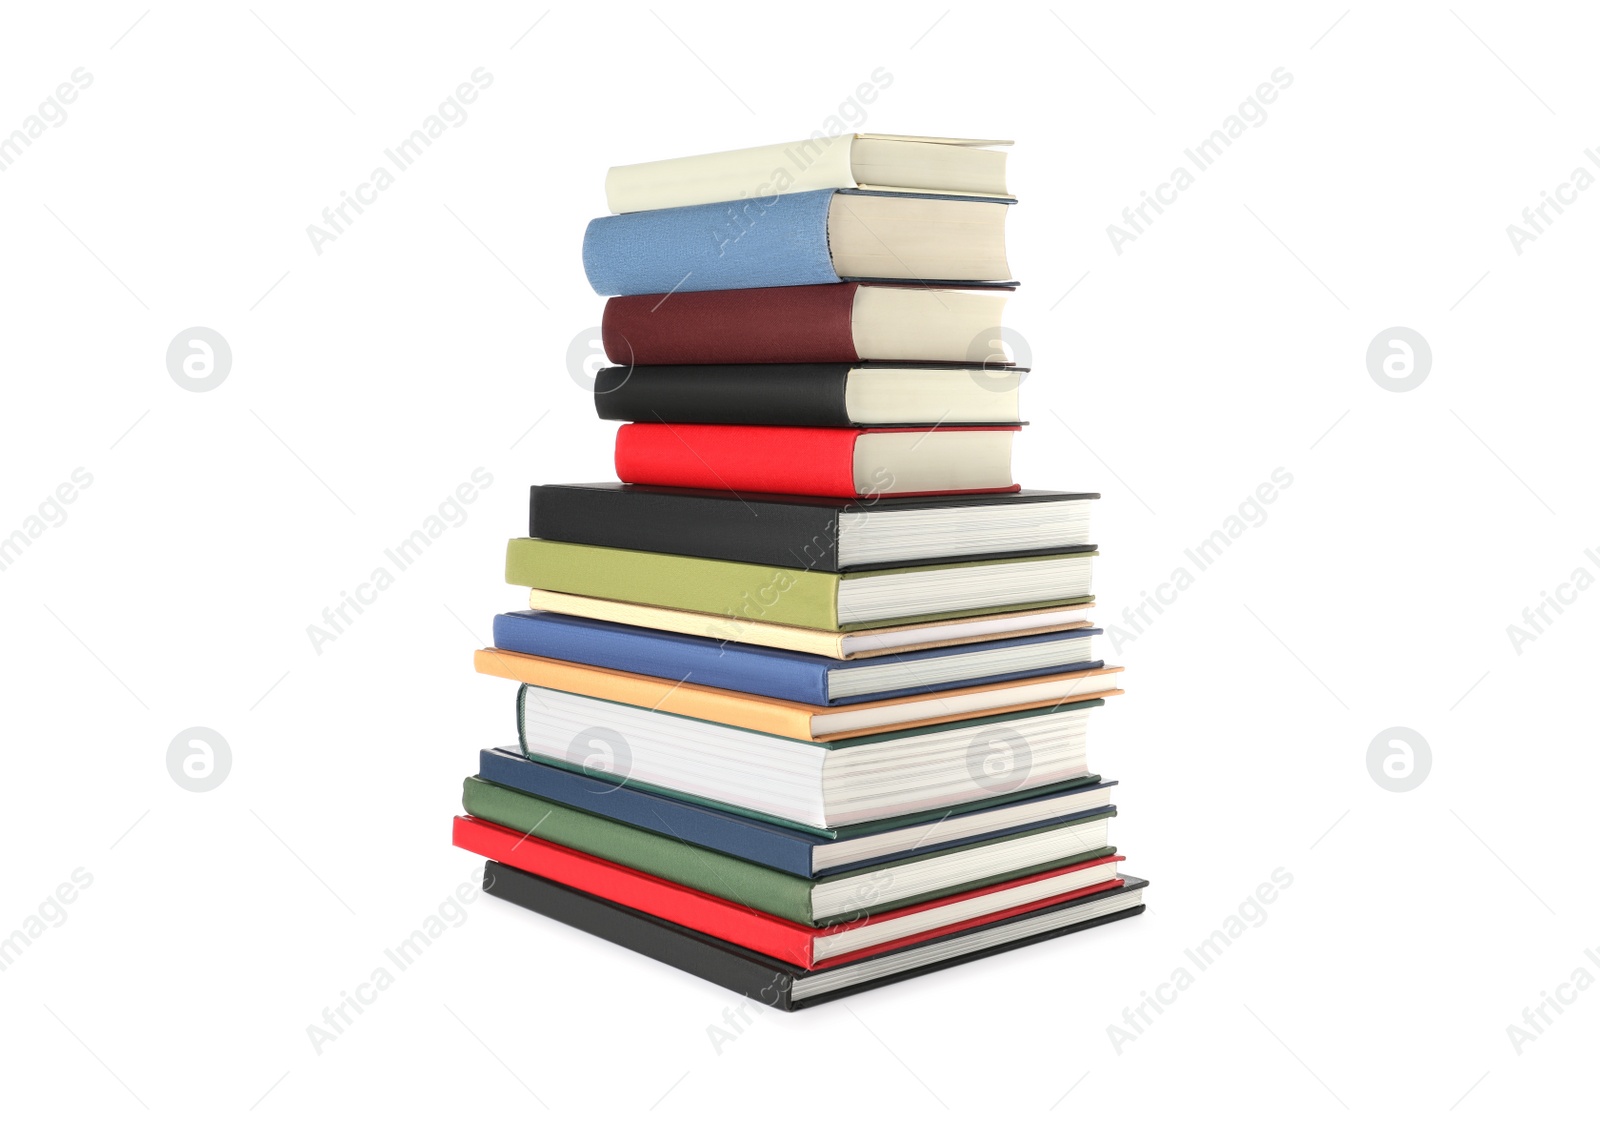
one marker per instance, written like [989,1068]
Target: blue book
[788,674]
[800,852]
[782,240]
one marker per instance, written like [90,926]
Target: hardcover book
[817,784]
[807,237]
[867,161]
[807,323]
[813,395]
[835,462]
[794,719]
[806,531]
[784,674]
[778,984]
[800,597]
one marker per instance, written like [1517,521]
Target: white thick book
[935,165]
[823,785]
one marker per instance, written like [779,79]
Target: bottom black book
[780,984]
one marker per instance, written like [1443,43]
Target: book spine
[772,242]
[795,394]
[808,323]
[760,979]
[714,873]
[788,535]
[814,461]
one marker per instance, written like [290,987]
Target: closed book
[811,902]
[865,161]
[816,395]
[797,943]
[794,719]
[806,323]
[805,851]
[805,237]
[807,531]
[777,984]
[954,759]
[833,462]
[797,596]
[870,642]
[786,674]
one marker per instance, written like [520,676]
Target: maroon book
[805,323]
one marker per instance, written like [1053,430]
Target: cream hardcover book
[933,165]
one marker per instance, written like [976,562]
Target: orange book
[817,723]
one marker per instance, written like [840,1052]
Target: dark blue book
[788,674]
[809,853]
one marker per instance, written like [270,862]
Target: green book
[796,596]
[818,902]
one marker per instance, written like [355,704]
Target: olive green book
[799,597]
[816,902]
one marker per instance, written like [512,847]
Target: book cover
[806,323]
[783,241]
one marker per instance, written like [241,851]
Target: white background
[369,381]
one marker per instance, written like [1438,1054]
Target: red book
[804,946]
[831,462]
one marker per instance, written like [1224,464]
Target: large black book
[820,534]
[811,394]
[780,984]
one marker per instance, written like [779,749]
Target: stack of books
[805,697]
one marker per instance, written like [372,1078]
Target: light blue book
[809,237]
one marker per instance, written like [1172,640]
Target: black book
[820,534]
[788,987]
[812,395]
